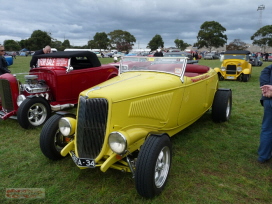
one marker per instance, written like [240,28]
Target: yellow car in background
[126,122]
[236,66]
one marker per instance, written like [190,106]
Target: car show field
[211,162]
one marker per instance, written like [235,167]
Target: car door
[83,79]
[194,100]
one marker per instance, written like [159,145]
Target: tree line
[211,35]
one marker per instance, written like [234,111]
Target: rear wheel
[222,104]
[153,165]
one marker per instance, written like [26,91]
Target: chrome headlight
[239,69]
[118,142]
[20,99]
[223,69]
[67,126]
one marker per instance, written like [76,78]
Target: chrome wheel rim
[162,167]
[37,114]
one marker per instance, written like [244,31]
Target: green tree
[263,37]
[92,44]
[66,44]
[121,40]
[11,45]
[100,41]
[56,44]
[38,40]
[23,44]
[237,44]
[211,35]
[181,44]
[156,42]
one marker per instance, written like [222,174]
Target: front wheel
[51,139]
[33,112]
[245,77]
[222,104]
[153,165]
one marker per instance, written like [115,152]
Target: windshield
[234,56]
[172,65]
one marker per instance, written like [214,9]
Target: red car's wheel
[33,112]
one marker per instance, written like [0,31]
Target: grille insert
[91,126]
[6,95]
[231,69]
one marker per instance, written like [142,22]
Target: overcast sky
[79,20]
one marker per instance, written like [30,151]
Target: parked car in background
[118,54]
[211,56]
[253,60]
[235,66]
[98,54]
[178,54]
[54,85]
[188,55]
[126,122]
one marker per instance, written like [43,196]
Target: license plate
[230,77]
[83,162]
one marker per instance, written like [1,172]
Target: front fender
[218,70]
[247,71]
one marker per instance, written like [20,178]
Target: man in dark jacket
[265,147]
[34,60]
[158,53]
[3,62]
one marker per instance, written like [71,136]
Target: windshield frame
[170,65]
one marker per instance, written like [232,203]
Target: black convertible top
[92,57]
[245,52]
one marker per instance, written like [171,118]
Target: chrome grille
[91,126]
[231,69]
[5,95]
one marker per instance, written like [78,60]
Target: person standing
[34,60]
[265,146]
[3,62]
[158,53]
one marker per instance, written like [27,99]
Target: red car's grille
[6,95]
[91,126]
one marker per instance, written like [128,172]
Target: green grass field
[212,163]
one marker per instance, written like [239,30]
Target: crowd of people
[260,55]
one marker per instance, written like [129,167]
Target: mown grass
[212,163]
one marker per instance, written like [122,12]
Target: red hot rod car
[54,85]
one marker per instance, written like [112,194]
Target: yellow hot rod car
[236,66]
[126,122]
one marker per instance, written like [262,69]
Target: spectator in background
[34,60]
[14,55]
[158,53]
[3,62]
[266,56]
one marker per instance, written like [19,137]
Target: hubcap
[162,167]
[37,114]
